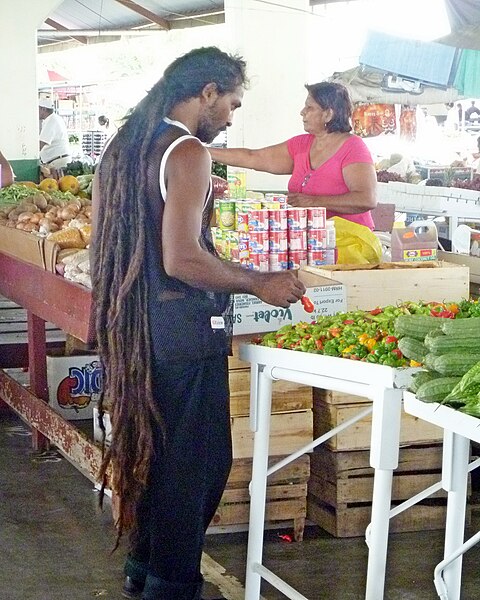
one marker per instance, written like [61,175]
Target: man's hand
[282,288]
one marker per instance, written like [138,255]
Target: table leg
[261,403]
[37,365]
[456,450]
[385,442]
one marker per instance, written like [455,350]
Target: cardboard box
[369,286]
[74,384]
[28,247]
[251,315]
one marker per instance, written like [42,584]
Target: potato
[40,200]
[24,217]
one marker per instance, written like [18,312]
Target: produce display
[450,354]
[59,211]
[373,336]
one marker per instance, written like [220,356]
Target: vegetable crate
[341,484]
[369,286]
[331,409]
[291,427]
[286,497]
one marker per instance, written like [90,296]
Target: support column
[274,41]
[19,22]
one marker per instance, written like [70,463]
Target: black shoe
[132,588]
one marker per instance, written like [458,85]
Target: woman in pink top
[329,166]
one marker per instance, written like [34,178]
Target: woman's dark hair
[334,96]
[120,283]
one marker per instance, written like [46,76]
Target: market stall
[382,385]
[47,297]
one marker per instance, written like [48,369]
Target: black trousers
[188,476]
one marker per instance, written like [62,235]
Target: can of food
[258,242]
[277,241]
[321,257]
[278,198]
[258,262]
[297,240]
[233,240]
[297,259]
[316,240]
[316,217]
[226,214]
[241,221]
[243,248]
[278,261]
[277,219]
[297,218]
[258,220]
[246,205]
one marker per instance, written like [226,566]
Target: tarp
[464,18]
[369,85]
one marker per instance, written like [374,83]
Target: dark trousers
[188,476]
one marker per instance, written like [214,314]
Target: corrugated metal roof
[81,20]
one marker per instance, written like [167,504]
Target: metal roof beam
[145,13]
[59,27]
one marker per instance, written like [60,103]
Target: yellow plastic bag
[356,244]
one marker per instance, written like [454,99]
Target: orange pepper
[370,343]
[453,308]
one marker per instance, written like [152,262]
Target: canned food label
[277,220]
[297,239]
[316,217]
[226,214]
[297,218]
[258,220]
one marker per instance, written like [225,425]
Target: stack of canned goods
[268,235]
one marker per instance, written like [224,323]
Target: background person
[472,113]
[55,150]
[161,292]
[330,166]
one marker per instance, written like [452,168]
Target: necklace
[306,179]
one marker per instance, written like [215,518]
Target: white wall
[273,41]
[19,20]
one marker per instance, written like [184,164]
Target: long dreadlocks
[120,289]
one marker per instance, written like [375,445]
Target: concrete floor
[56,544]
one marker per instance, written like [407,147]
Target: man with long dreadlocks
[163,318]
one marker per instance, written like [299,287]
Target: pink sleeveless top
[327,179]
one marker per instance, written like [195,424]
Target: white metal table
[383,385]
[459,429]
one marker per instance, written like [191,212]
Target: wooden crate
[331,409]
[286,495]
[286,395]
[368,286]
[341,485]
[352,521]
[288,432]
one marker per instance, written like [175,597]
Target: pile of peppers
[367,336]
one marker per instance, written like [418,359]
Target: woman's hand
[303,200]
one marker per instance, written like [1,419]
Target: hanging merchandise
[408,123]
[370,120]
